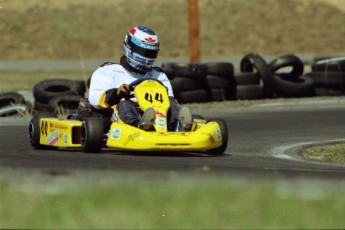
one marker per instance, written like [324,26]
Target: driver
[109,84]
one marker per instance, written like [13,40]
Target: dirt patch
[47,29]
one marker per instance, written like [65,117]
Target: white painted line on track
[280,151]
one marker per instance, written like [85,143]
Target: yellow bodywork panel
[207,136]
[152,94]
[60,132]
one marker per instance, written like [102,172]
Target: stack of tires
[220,81]
[188,81]
[196,83]
[255,81]
[282,77]
[14,104]
[58,96]
[289,80]
[328,74]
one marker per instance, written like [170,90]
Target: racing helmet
[141,48]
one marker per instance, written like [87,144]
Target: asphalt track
[264,139]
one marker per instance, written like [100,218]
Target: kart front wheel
[92,135]
[224,134]
[35,130]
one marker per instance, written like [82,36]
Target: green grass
[192,203]
[334,153]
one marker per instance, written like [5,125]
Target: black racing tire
[328,79]
[223,69]
[193,96]
[188,70]
[92,135]
[329,64]
[249,92]
[224,135]
[10,98]
[64,103]
[180,84]
[294,87]
[35,130]
[247,78]
[253,61]
[45,90]
[288,60]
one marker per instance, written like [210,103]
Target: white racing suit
[109,77]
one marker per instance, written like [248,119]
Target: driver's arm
[113,96]
[103,93]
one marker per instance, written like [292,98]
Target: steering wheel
[138,81]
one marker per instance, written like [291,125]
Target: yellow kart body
[60,132]
[90,137]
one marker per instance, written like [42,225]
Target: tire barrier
[14,104]
[197,83]
[64,104]
[328,74]
[288,60]
[15,110]
[254,62]
[203,82]
[58,95]
[292,83]
[282,77]
[328,64]
[188,82]
[11,98]
[220,81]
[287,86]
[45,90]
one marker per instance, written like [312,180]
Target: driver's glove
[123,91]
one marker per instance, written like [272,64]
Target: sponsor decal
[218,135]
[160,122]
[65,139]
[132,31]
[116,134]
[160,114]
[143,45]
[149,39]
[58,126]
[53,138]
[133,136]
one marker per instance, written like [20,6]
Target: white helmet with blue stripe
[141,48]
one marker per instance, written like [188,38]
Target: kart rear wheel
[224,133]
[92,135]
[35,131]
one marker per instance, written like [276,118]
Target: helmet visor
[145,50]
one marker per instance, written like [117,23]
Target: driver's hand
[123,91]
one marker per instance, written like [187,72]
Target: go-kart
[210,136]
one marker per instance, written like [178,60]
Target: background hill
[70,29]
